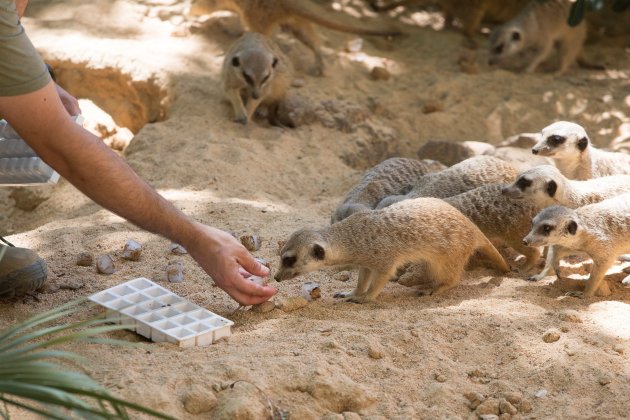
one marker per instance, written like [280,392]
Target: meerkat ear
[572,227]
[318,252]
[516,36]
[236,62]
[582,143]
[274,63]
[552,187]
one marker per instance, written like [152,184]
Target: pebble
[198,400]
[564,329]
[71,286]
[618,348]
[551,336]
[541,393]
[474,399]
[85,259]
[439,377]
[380,73]
[261,281]
[105,264]
[354,45]
[264,307]
[604,380]
[488,417]
[177,249]
[489,406]
[216,387]
[415,333]
[311,291]
[506,407]
[298,82]
[514,398]
[626,281]
[570,316]
[175,272]
[132,250]
[375,351]
[251,242]
[342,276]
[525,406]
[291,303]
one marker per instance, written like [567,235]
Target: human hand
[69,102]
[229,263]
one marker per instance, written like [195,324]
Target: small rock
[551,336]
[488,417]
[375,351]
[350,415]
[489,406]
[264,307]
[49,288]
[570,351]
[618,348]
[505,416]
[439,377]
[216,387]
[514,398]
[415,333]
[85,259]
[432,106]
[506,407]
[71,285]
[380,73]
[251,242]
[132,250]
[199,400]
[105,264]
[570,316]
[311,291]
[291,303]
[626,280]
[261,281]
[177,249]
[526,406]
[175,272]
[541,393]
[604,380]
[627,271]
[564,329]
[354,45]
[342,276]
[474,399]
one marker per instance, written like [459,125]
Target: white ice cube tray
[160,315]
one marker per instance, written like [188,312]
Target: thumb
[253,266]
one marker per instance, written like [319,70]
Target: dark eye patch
[265,79]
[555,140]
[523,183]
[545,230]
[498,49]
[289,261]
[248,79]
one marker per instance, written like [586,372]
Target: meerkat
[255,72]
[535,31]
[501,219]
[573,153]
[392,176]
[602,230]
[522,159]
[545,186]
[379,241]
[464,176]
[265,16]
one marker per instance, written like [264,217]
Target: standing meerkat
[571,149]
[461,177]
[602,230]
[500,218]
[392,176]
[255,72]
[423,229]
[537,29]
[545,186]
[265,16]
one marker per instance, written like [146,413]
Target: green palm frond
[30,380]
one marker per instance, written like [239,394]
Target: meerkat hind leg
[446,274]
[305,33]
[362,285]
[596,285]
[540,56]
[568,52]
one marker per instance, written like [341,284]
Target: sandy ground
[404,356]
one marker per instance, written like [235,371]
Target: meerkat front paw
[241,119]
[536,277]
[343,295]
[359,299]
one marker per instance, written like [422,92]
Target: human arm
[82,158]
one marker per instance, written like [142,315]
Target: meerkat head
[555,225]
[255,68]
[305,251]
[505,41]
[538,184]
[562,139]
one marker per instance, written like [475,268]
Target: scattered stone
[446,152]
[105,264]
[432,106]
[264,307]
[506,407]
[216,387]
[489,406]
[85,259]
[175,272]
[261,281]
[626,281]
[570,351]
[474,399]
[488,417]
[177,249]
[551,336]
[570,316]
[514,398]
[251,242]
[342,276]
[618,348]
[243,401]
[505,416]
[199,400]
[604,380]
[354,45]
[49,288]
[415,333]
[291,304]
[380,73]
[564,329]
[526,406]
[541,393]
[376,351]
[439,377]
[478,376]
[71,286]
[350,415]
[132,250]
[298,82]
[311,291]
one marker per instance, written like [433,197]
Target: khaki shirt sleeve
[22,70]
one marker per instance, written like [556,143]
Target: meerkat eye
[498,49]
[288,261]
[546,229]
[552,187]
[248,79]
[523,183]
[516,36]
[274,63]
[582,143]
[555,140]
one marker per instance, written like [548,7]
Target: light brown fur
[534,32]
[255,72]
[602,230]
[265,16]
[392,176]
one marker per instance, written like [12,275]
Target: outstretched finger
[251,265]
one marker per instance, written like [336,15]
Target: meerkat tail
[337,20]
[582,62]
[491,252]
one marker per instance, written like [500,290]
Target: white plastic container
[160,315]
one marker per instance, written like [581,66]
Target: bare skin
[99,173]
